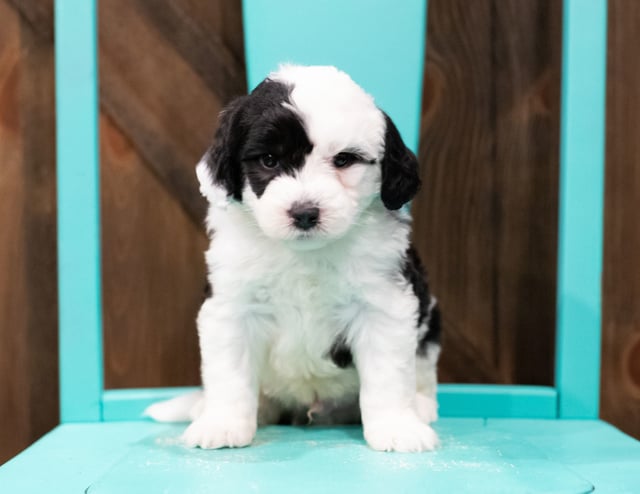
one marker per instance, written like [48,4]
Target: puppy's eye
[268,161]
[342,160]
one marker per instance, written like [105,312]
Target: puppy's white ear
[214,193]
[221,160]
[204,179]
[400,180]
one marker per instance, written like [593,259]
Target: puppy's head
[306,153]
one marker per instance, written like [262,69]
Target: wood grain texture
[153,273]
[620,385]
[202,48]
[223,18]
[38,14]
[28,309]
[526,74]
[452,215]
[163,102]
[196,46]
[37,107]
[485,221]
[13,298]
[164,78]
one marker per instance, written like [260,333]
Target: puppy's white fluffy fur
[282,297]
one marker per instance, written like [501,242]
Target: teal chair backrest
[381,44]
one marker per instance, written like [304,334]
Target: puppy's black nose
[305,216]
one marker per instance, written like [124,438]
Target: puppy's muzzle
[305,215]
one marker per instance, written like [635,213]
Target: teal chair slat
[581,207]
[455,400]
[379,43]
[76,71]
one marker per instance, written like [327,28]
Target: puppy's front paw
[220,431]
[402,431]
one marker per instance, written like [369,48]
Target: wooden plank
[28,316]
[202,48]
[161,104]
[485,220]
[223,17]
[37,115]
[454,226]
[38,14]
[14,381]
[526,84]
[154,273]
[620,398]
[207,37]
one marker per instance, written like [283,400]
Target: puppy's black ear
[222,157]
[400,180]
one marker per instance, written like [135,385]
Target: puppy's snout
[305,215]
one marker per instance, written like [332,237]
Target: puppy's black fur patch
[340,353]
[400,180]
[279,133]
[414,273]
[252,127]
[221,157]
[208,290]
[432,336]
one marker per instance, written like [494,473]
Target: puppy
[320,309]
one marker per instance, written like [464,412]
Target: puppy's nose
[305,216]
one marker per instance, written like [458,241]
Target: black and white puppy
[320,306]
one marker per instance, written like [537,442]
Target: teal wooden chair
[495,438]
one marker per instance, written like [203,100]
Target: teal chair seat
[478,455]
[509,439]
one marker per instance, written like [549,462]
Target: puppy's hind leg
[428,353]
[427,383]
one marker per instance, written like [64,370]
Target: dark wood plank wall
[620,399]
[165,75]
[28,307]
[485,220]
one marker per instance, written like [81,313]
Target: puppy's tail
[183,408]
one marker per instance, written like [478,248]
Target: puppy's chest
[311,305]
[304,312]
